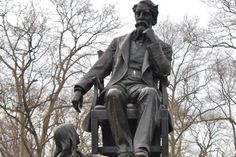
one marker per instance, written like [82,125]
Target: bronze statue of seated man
[136,61]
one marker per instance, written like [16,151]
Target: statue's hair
[153,9]
[66,140]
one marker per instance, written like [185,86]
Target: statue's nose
[141,16]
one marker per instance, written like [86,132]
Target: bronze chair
[99,118]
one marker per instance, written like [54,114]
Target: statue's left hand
[150,34]
[77,100]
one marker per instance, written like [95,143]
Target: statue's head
[66,140]
[146,13]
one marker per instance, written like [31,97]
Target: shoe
[125,155]
[141,153]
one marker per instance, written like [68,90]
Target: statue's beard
[141,26]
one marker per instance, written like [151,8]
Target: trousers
[147,102]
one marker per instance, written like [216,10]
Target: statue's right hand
[77,100]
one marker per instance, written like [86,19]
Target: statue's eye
[138,13]
[142,13]
[146,13]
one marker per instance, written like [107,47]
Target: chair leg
[94,130]
[164,131]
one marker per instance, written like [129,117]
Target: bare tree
[220,31]
[20,49]
[40,52]
[189,66]
[223,26]
[205,137]
[224,95]
[202,89]
[219,36]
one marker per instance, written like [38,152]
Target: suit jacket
[157,63]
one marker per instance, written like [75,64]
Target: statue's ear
[134,8]
[157,9]
[155,15]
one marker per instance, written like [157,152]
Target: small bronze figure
[66,140]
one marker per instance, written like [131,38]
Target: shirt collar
[136,37]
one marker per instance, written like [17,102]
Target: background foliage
[45,50]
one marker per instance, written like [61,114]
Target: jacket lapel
[125,48]
[146,63]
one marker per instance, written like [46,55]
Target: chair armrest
[98,87]
[164,83]
[164,95]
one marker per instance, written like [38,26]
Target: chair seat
[105,150]
[99,112]
[102,107]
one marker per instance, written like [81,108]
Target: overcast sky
[174,9]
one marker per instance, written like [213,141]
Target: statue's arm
[160,54]
[160,57]
[100,69]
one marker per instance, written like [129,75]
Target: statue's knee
[113,93]
[150,91]
[115,97]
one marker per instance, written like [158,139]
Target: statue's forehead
[142,7]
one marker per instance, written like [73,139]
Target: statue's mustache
[141,23]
